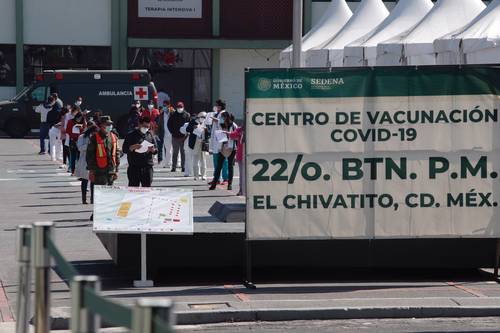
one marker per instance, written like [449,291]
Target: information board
[120,209]
[399,152]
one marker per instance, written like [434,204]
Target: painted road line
[466,289]
[242,297]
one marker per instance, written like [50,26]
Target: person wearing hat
[175,122]
[103,155]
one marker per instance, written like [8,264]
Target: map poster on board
[122,209]
[170,8]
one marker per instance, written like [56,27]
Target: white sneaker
[203,178]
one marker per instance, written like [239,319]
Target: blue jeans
[225,171]
[44,134]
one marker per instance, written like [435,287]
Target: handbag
[226,151]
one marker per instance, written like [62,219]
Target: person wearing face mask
[140,158]
[103,155]
[133,118]
[200,147]
[79,101]
[164,134]
[44,109]
[214,120]
[58,105]
[75,128]
[175,122]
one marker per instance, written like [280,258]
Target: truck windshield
[21,94]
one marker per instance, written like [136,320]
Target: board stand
[143,282]
[497,260]
[248,282]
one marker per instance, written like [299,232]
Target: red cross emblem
[141,93]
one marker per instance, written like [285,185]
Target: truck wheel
[16,127]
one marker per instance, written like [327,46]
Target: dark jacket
[53,117]
[176,121]
[189,129]
[138,160]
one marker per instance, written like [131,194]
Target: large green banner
[373,153]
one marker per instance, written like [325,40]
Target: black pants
[140,176]
[230,165]
[65,153]
[84,186]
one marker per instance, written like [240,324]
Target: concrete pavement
[32,188]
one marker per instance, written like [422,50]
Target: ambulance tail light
[136,76]
[39,77]
[59,76]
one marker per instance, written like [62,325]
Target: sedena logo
[264,84]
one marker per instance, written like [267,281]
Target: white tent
[415,47]
[367,16]
[406,14]
[335,17]
[476,43]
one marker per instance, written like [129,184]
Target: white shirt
[43,111]
[166,116]
[214,146]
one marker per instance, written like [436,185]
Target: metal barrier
[35,250]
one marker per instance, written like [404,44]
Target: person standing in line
[62,135]
[133,117]
[187,130]
[81,171]
[44,109]
[214,121]
[239,136]
[73,110]
[75,128]
[140,147]
[226,149]
[165,134]
[200,148]
[175,122]
[103,155]
[58,105]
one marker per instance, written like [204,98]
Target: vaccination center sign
[395,152]
[120,209]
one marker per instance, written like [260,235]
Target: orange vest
[101,155]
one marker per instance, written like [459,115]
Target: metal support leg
[41,263]
[24,287]
[148,312]
[143,282]
[82,320]
[248,283]
[497,260]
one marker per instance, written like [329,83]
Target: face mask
[78,120]
[78,103]
[138,106]
[216,109]
[144,130]
[180,110]
[150,107]
[109,128]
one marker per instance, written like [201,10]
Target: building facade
[196,50]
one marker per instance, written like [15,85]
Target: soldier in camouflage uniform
[103,156]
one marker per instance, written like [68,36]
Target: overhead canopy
[406,14]
[368,15]
[476,43]
[334,18]
[415,47]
